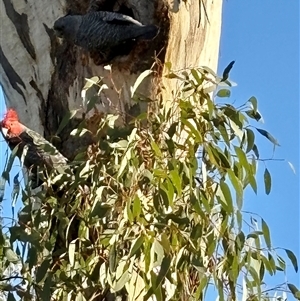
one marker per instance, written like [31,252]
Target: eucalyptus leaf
[224,93]
[268,181]
[293,259]
[268,136]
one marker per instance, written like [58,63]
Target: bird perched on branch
[108,33]
[33,149]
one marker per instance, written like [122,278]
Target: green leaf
[254,273]
[79,132]
[255,234]
[227,197]
[71,252]
[255,150]
[164,269]
[32,257]
[294,290]
[292,167]
[201,287]
[254,115]
[165,243]
[281,263]
[211,108]
[268,181]
[292,258]
[252,182]
[176,180]
[168,188]
[68,116]
[99,210]
[103,274]
[267,265]
[272,262]
[220,158]
[172,129]
[2,187]
[224,93]
[136,245]
[113,258]
[122,144]
[208,70]
[11,256]
[10,297]
[91,103]
[250,140]
[123,166]
[159,294]
[42,271]
[173,75]
[170,192]
[196,133]
[261,272]
[227,70]
[220,288]
[160,173]
[46,291]
[156,149]
[135,287]
[122,281]
[95,80]
[224,134]
[237,186]
[196,77]
[136,210]
[159,250]
[239,219]
[139,80]
[253,165]
[211,245]
[209,89]
[266,232]
[242,158]
[10,162]
[253,101]
[240,240]
[268,136]
[147,174]
[79,297]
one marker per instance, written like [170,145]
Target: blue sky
[263,38]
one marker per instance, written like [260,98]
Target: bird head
[10,125]
[67,26]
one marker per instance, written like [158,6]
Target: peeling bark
[20,21]
[12,76]
[198,44]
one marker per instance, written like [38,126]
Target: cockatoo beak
[4,131]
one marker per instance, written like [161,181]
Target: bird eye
[59,28]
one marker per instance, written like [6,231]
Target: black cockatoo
[108,33]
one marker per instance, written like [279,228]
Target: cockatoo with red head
[32,149]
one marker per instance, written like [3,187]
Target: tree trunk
[42,76]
